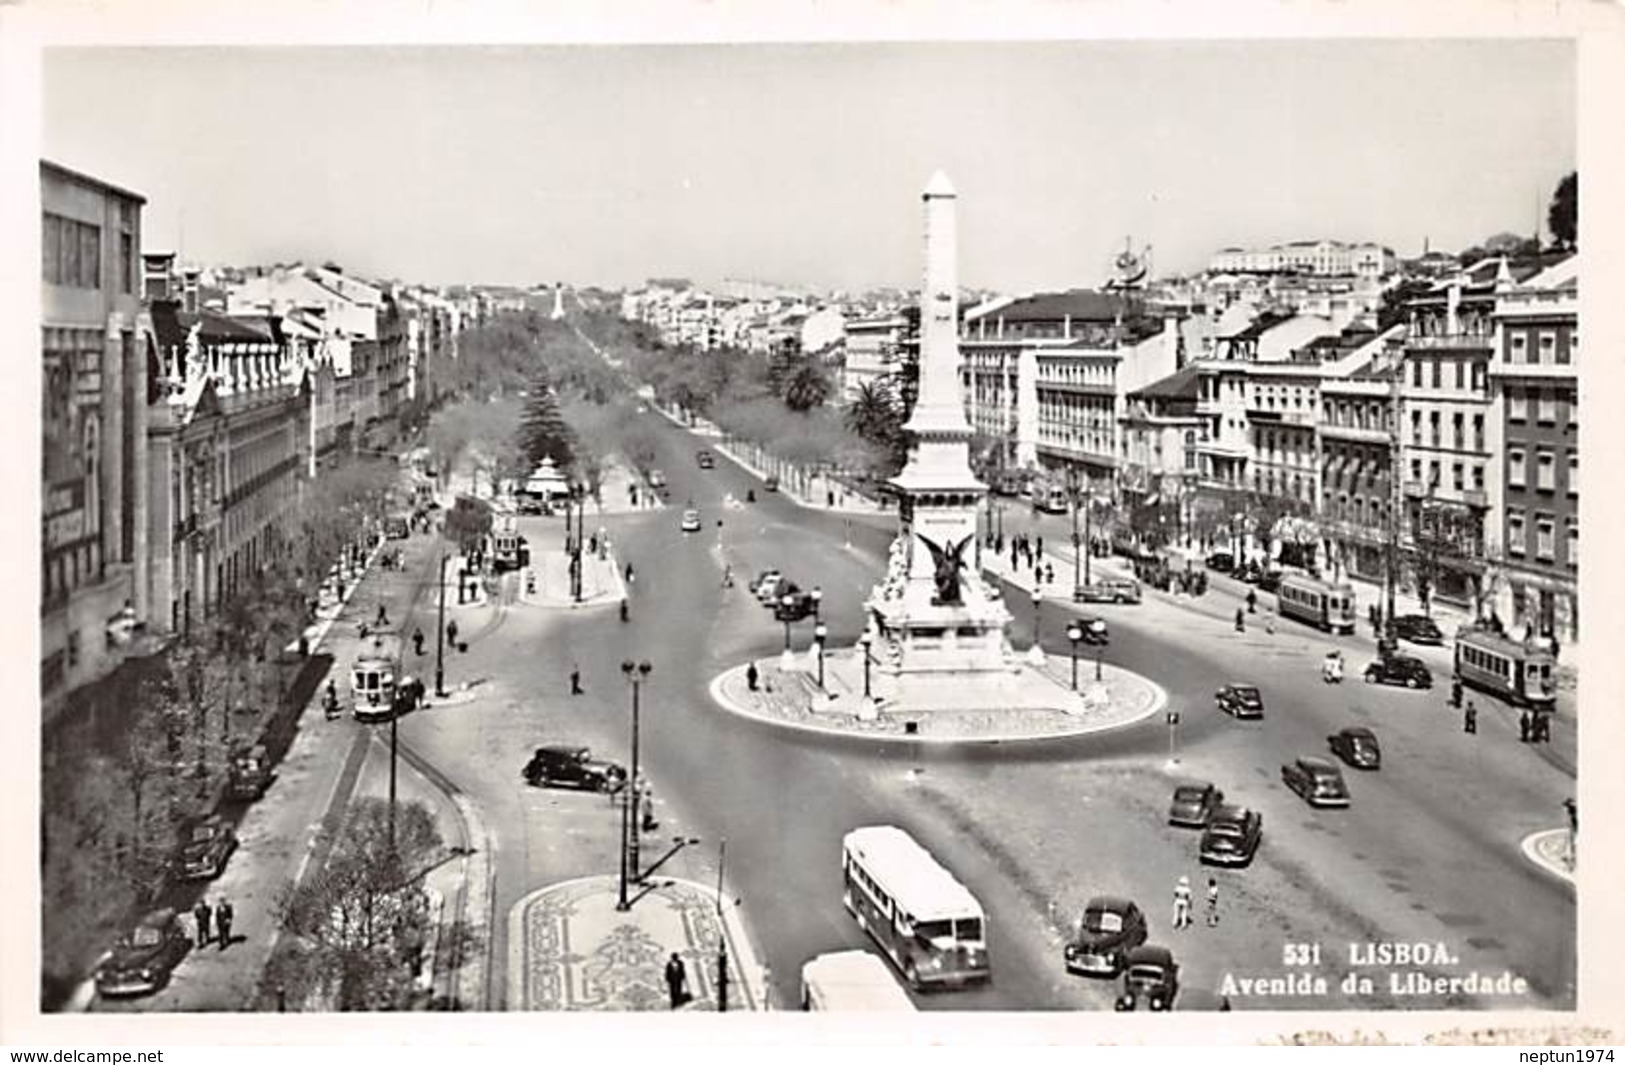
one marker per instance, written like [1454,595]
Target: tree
[808,387]
[875,417]
[543,432]
[468,523]
[361,921]
[1563,215]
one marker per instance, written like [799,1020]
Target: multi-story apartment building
[1357,426]
[94,344]
[1160,467]
[1533,541]
[228,448]
[874,354]
[1324,258]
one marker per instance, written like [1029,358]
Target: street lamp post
[820,632]
[636,673]
[785,601]
[863,642]
[818,604]
[1099,648]
[722,933]
[1074,633]
[440,636]
[579,491]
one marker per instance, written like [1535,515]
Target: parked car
[1399,669]
[1269,580]
[1418,628]
[1222,561]
[1316,781]
[205,847]
[1357,746]
[1152,976]
[250,772]
[562,766]
[771,484]
[794,605]
[1194,803]
[397,527]
[691,520]
[1240,701]
[144,956]
[1231,836]
[705,459]
[1109,928]
[1109,590]
[1094,630]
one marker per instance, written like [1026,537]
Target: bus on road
[850,981]
[928,923]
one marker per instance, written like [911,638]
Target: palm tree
[808,387]
[870,414]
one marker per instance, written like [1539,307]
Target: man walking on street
[751,676]
[575,680]
[1524,727]
[1212,902]
[417,641]
[1469,723]
[201,913]
[451,632]
[1182,903]
[383,617]
[677,980]
[222,919]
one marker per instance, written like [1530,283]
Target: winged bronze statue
[948,561]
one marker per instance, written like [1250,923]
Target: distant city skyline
[802,165]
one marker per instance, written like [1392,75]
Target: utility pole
[440,636]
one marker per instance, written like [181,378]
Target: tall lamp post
[636,673]
[818,604]
[864,642]
[578,493]
[1078,558]
[440,636]
[722,933]
[785,601]
[820,633]
[1074,633]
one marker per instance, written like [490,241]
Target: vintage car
[1110,590]
[1194,803]
[144,956]
[1221,561]
[1317,781]
[1418,628]
[250,772]
[205,848]
[771,484]
[1151,976]
[1357,746]
[705,459]
[691,520]
[1231,836]
[1109,928]
[561,766]
[1092,630]
[1240,701]
[795,605]
[765,587]
[1399,669]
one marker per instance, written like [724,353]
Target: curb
[1531,844]
[1159,701]
[743,958]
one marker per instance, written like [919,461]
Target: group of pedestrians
[1026,551]
[1182,903]
[1534,727]
[213,923]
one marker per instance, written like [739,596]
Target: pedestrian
[575,680]
[1455,691]
[1212,902]
[365,630]
[451,632]
[592,544]
[222,920]
[1049,573]
[1469,723]
[1038,551]
[751,676]
[201,914]
[647,819]
[1542,728]
[1241,620]
[417,640]
[630,576]
[677,980]
[1252,600]
[330,700]
[1525,727]
[1182,903]
[383,616]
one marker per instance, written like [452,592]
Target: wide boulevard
[1428,852]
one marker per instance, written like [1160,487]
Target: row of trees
[149,749]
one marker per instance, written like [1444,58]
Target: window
[1518,346]
[1458,434]
[73,649]
[1461,374]
[1517,405]
[1478,476]
[1478,377]
[1545,471]
[1433,427]
[1416,470]
[1548,348]
[1416,428]
[1573,555]
[1546,406]
[1571,353]
[1437,368]
[1544,537]
[1416,372]
[1478,432]
[1457,478]
[1574,473]
[1515,468]
[1515,545]
[1433,474]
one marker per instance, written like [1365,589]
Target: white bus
[1320,603]
[928,923]
[850,981]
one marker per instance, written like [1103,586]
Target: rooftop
[1184,383]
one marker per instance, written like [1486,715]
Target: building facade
[95,348]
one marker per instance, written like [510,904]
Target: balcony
[1355,433]
[1451,342]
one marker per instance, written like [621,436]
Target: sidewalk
[602,580]
[813,491]
[570,949]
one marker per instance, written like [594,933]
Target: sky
[803,163]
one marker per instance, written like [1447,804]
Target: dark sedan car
[572,767]
[1092,630]
[1231,837]
[1109,928]
[1399,669]
[1357,746]
[1317,781]
[206,846]
[142,959]
[1240,701]
[1151,976]
[1418,628]
[1222,561]
[794,606]
[1193,804]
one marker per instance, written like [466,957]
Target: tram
[1322,604]
[1511,669]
